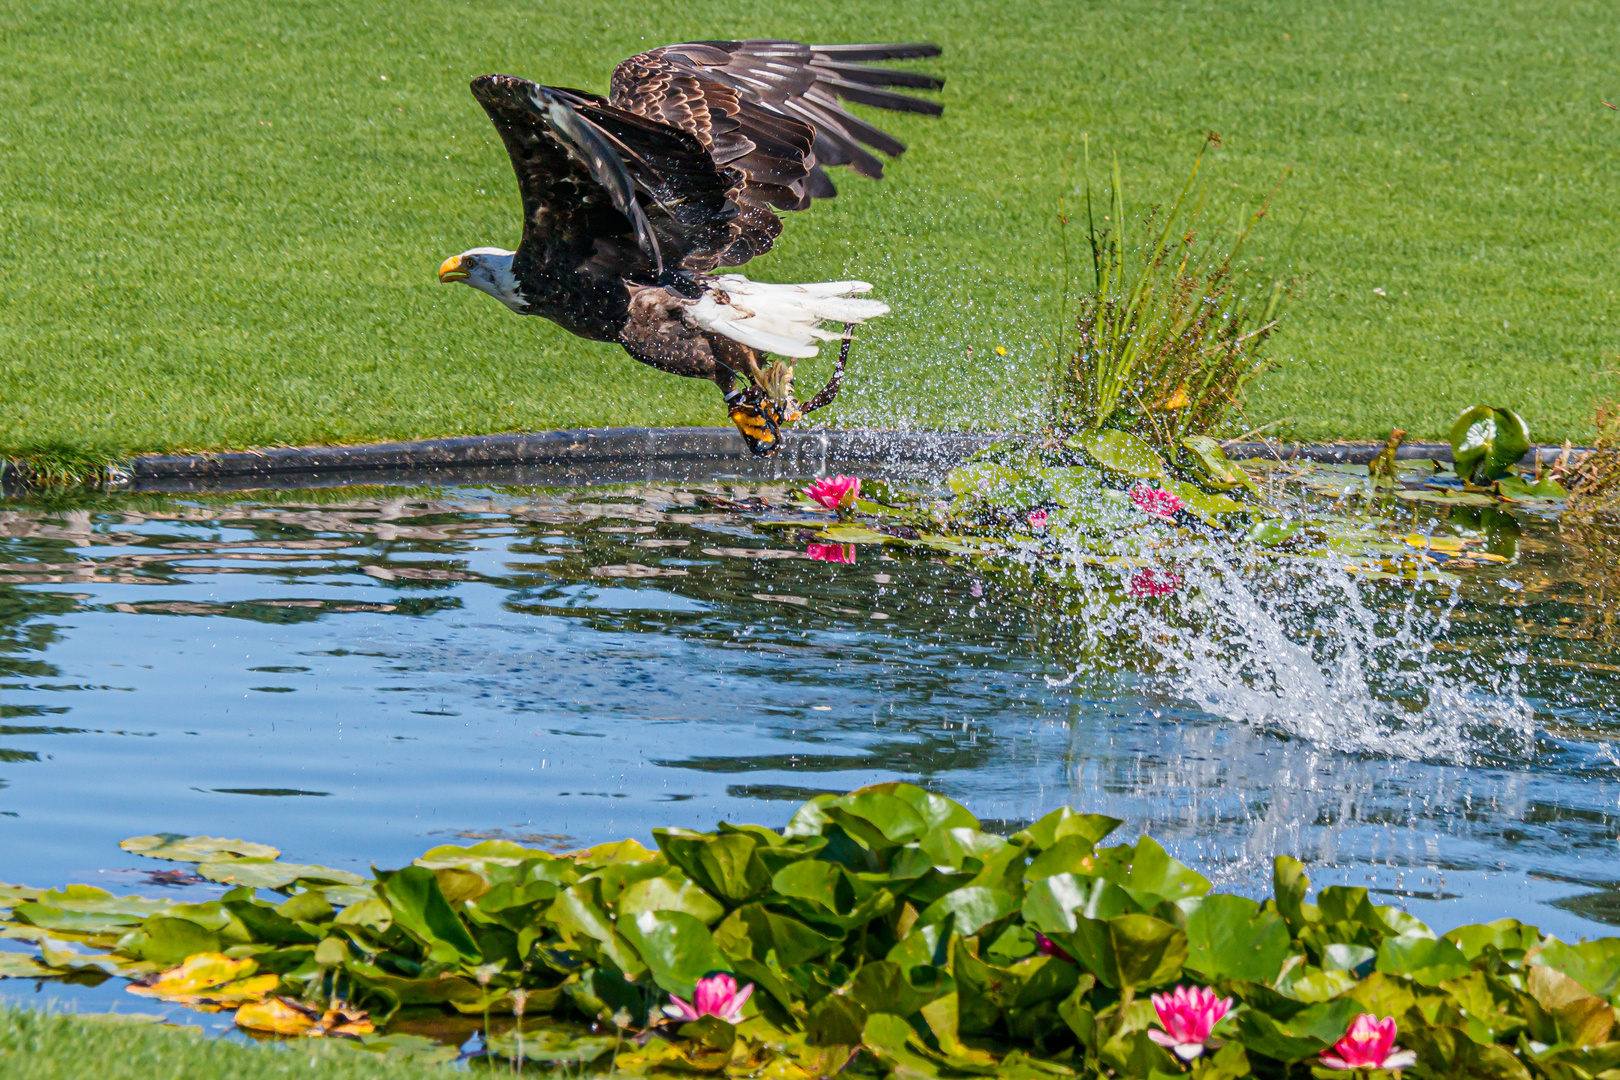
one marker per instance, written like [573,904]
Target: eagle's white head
[488,269]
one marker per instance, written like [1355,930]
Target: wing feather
[602,184]
[770,113]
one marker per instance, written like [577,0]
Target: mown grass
[46,1046]
[223,216]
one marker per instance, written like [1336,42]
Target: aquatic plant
[1595,481]
[885,933]
[1189,1015]
[1486,442]
[833,553]
[1369,1044]
[835,492]
[1155,502]
[715,995]
[1174,325]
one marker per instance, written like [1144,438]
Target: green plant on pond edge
[1597,478]
[1174,326]
[884,934]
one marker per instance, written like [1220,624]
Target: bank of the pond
[231,241]
[59,1046]
[618,455]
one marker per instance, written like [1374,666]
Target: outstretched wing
[601,185]
[770,111]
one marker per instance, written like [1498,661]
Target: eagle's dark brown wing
[770,111]
[626,193]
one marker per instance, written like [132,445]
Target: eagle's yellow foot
[756,422]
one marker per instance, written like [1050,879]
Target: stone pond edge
[614,454]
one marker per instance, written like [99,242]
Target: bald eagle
[632,201]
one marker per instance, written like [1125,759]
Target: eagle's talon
[756,423]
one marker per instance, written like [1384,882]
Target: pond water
[355,675]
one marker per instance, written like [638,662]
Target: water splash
[1303,649]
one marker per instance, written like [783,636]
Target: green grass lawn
[223,218]
[43,1046]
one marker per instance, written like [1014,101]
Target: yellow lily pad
[197,973]
[285,1016]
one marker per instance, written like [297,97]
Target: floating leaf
[265,873]
[550,1044]
[1426,960]
[402,1047]
[1210,509]
[15,965]
[1122,453]
[277,1015]
[480,855]
[177,847]
[973,908]
[421,910]
[670,892]
[285,1016]
[210,982]
[1593,964]
[1218,471]
[1232,937]
[676,947]
[1128,951]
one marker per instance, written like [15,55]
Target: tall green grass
[222,217]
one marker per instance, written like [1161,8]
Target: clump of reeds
[1174,326]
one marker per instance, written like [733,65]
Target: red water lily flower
[835,492]
[1149,583]
[1037,519]
[1155,501]
[838,553]
[1368,1044]
[715,995]
[1188,1014]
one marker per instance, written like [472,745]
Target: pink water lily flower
[1188,1014]
[1148,583]
[835,492]
[838,553]
[1037,519]
[1155,501]
[1045,946]
[715,995]
[1369,1044]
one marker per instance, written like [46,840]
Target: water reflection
[354,675]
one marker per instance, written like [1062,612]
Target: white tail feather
[781,319]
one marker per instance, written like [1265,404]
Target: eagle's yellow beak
[453,270]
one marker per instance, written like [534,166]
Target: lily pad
[264,873]
[1208,508]
[1218,471]
[177,847]
[1122,453]
[15,965]
[554,1045]
[1486,442]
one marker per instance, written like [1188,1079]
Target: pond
[357,674]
